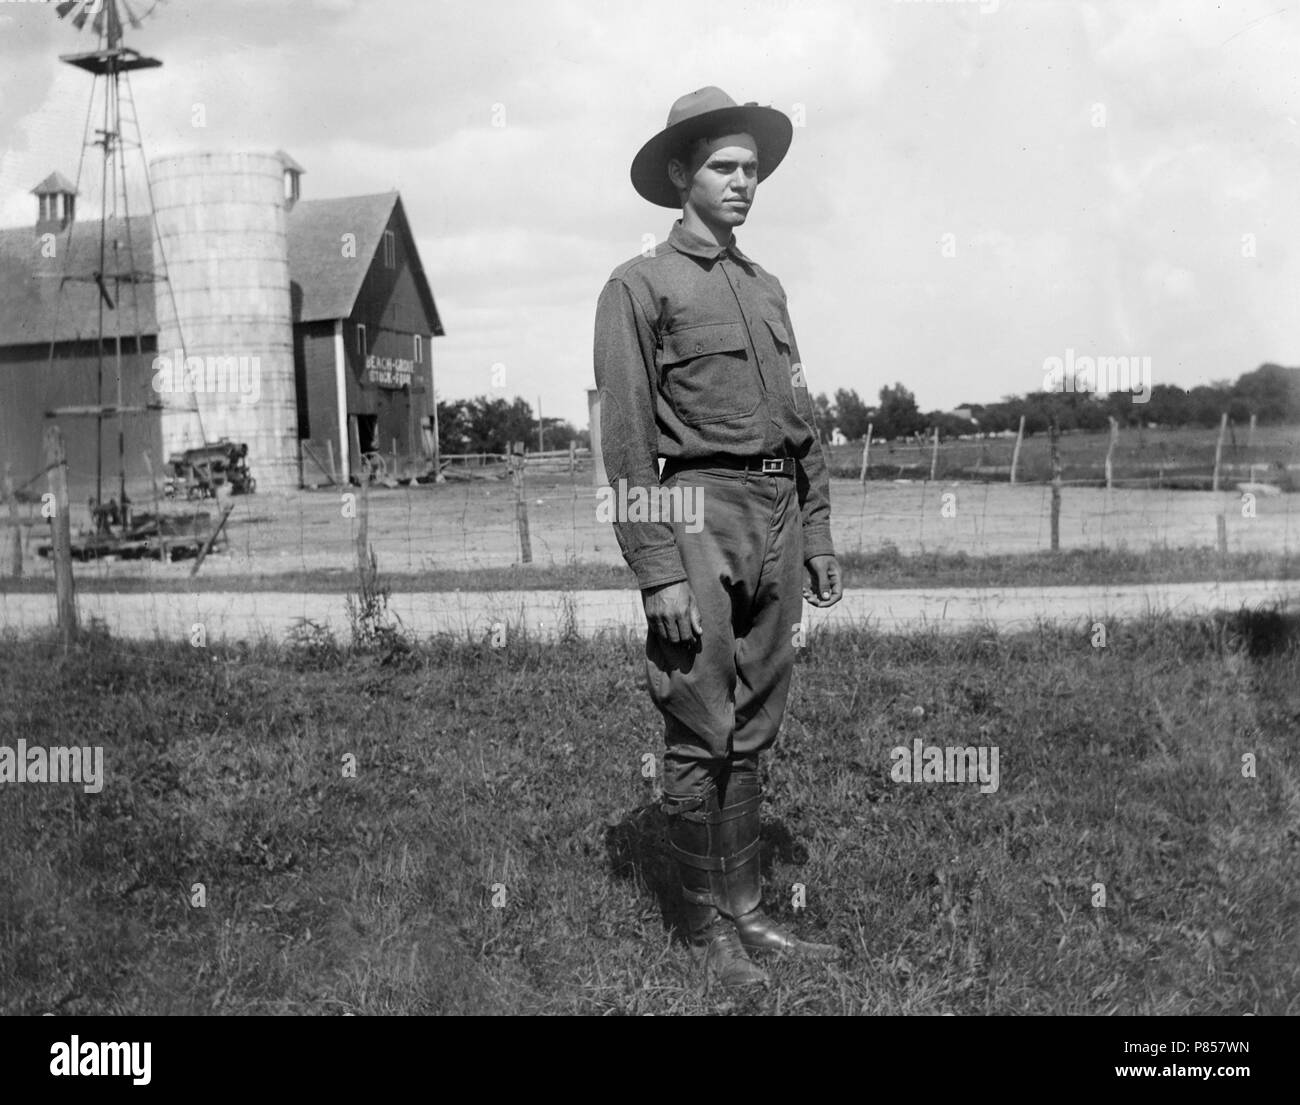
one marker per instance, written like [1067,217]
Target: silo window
[390,249]
[361,339]
[419,349]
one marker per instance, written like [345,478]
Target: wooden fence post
[866,453]
[16,569]
[363,529]
[573,457]
[1056,485]
[1218,450]
[516,462]
[1015,453]
[934,455]
[1110,451]
[61,523]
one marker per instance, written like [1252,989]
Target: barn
[321,309]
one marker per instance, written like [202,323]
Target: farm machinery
[118,529]
[199,472]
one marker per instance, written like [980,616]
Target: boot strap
[740,809]
[687,809]
[694,811]
[717,863]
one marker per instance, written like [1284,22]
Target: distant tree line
[483,425]
[1270,392]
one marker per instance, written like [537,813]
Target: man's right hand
[672,613]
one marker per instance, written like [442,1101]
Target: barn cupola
[57,197]
[292,179]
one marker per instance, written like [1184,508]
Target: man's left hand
[823,586]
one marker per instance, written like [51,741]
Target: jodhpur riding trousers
[723,701]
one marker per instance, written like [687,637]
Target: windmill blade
[153,7]
[114,23]
[137,20]
[109,23]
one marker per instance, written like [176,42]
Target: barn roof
[31,282]
[329,282]
[316,229]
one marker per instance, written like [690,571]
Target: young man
[696,362]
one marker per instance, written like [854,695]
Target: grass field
[520,770]
[1158,457]
[886,568]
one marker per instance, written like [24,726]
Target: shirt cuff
[657,567]
[817,541]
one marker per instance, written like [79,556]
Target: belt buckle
[773,464]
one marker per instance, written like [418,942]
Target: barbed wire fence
[491,509]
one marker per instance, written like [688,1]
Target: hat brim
[772,130]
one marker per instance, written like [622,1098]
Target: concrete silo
[221,235]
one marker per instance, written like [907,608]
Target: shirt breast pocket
[708,373]
[780,336]
[798,384]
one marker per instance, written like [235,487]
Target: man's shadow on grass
[638,851]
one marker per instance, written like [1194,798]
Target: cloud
[509,128]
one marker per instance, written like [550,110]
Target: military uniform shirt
[695,357]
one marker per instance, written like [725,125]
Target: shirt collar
[687,241]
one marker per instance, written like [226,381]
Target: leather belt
[764,466]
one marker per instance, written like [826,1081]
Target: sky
[975,187]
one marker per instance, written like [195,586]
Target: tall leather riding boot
[695,833]
[743,875]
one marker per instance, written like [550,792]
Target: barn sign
[389,372]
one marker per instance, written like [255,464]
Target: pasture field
[500,851]
[1151,456]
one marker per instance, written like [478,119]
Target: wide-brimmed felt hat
[704,112]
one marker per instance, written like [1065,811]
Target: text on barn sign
[389,372]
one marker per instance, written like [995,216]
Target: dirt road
[244,616]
